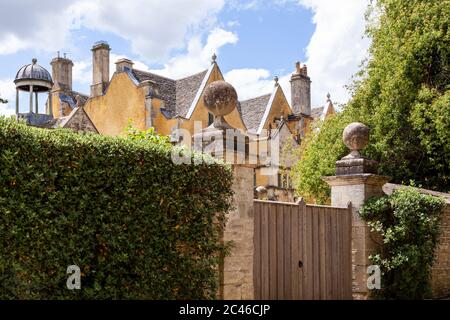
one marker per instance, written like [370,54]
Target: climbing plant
[409,225]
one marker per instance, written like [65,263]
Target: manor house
[149,100]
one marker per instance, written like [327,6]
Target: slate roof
[178,95]
[71,98]
[252,111]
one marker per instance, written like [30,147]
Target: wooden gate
[302,251]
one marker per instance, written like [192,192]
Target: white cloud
[198,55]
[40,25]
[82,71]
[250,83]
[336,48]
[233,23]
[334,53]
[152,27]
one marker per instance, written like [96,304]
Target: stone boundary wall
[440,272]
[236,281]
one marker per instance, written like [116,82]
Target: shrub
[137,225]
[409,224]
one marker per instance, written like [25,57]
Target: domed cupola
[34,79]
[35,75]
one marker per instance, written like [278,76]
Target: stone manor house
[149,100]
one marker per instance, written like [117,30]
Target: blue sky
[254,39]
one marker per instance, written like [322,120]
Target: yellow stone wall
[162,125]
[123,102]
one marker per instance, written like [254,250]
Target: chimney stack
[62,73]
[100,64]
[301,90]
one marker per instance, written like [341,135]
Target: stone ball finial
[220,98]
[34,61]
[356,137]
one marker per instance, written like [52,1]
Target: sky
[255,40]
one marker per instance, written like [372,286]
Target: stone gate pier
[356,180]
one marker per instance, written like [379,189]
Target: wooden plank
[322,252]
[272,252]
[265,252]
[316,253]
[340,252]
[280,251]
[257,252]
[328,250]
[348,250]
[308,256]
[301,222]
[287,252]
[334,246]
[295,241]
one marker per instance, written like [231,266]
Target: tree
[402,93]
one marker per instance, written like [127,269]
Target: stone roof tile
[176,94]
[252,111]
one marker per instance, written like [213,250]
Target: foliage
[138,225]
[149,134]
[402,93]
[409,225]
[318,152]
[3,100]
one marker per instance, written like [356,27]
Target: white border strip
[200,91]
[268,107]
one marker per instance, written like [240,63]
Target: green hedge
[409,225]
[138,226]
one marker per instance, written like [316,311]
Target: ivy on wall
[137,225]
[409,225]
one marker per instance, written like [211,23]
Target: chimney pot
[301,90]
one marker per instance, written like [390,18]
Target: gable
[79,121]
[199,113]
[277,107]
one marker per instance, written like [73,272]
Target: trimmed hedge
[137,225]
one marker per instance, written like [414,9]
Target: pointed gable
[276,107]
[78,121]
